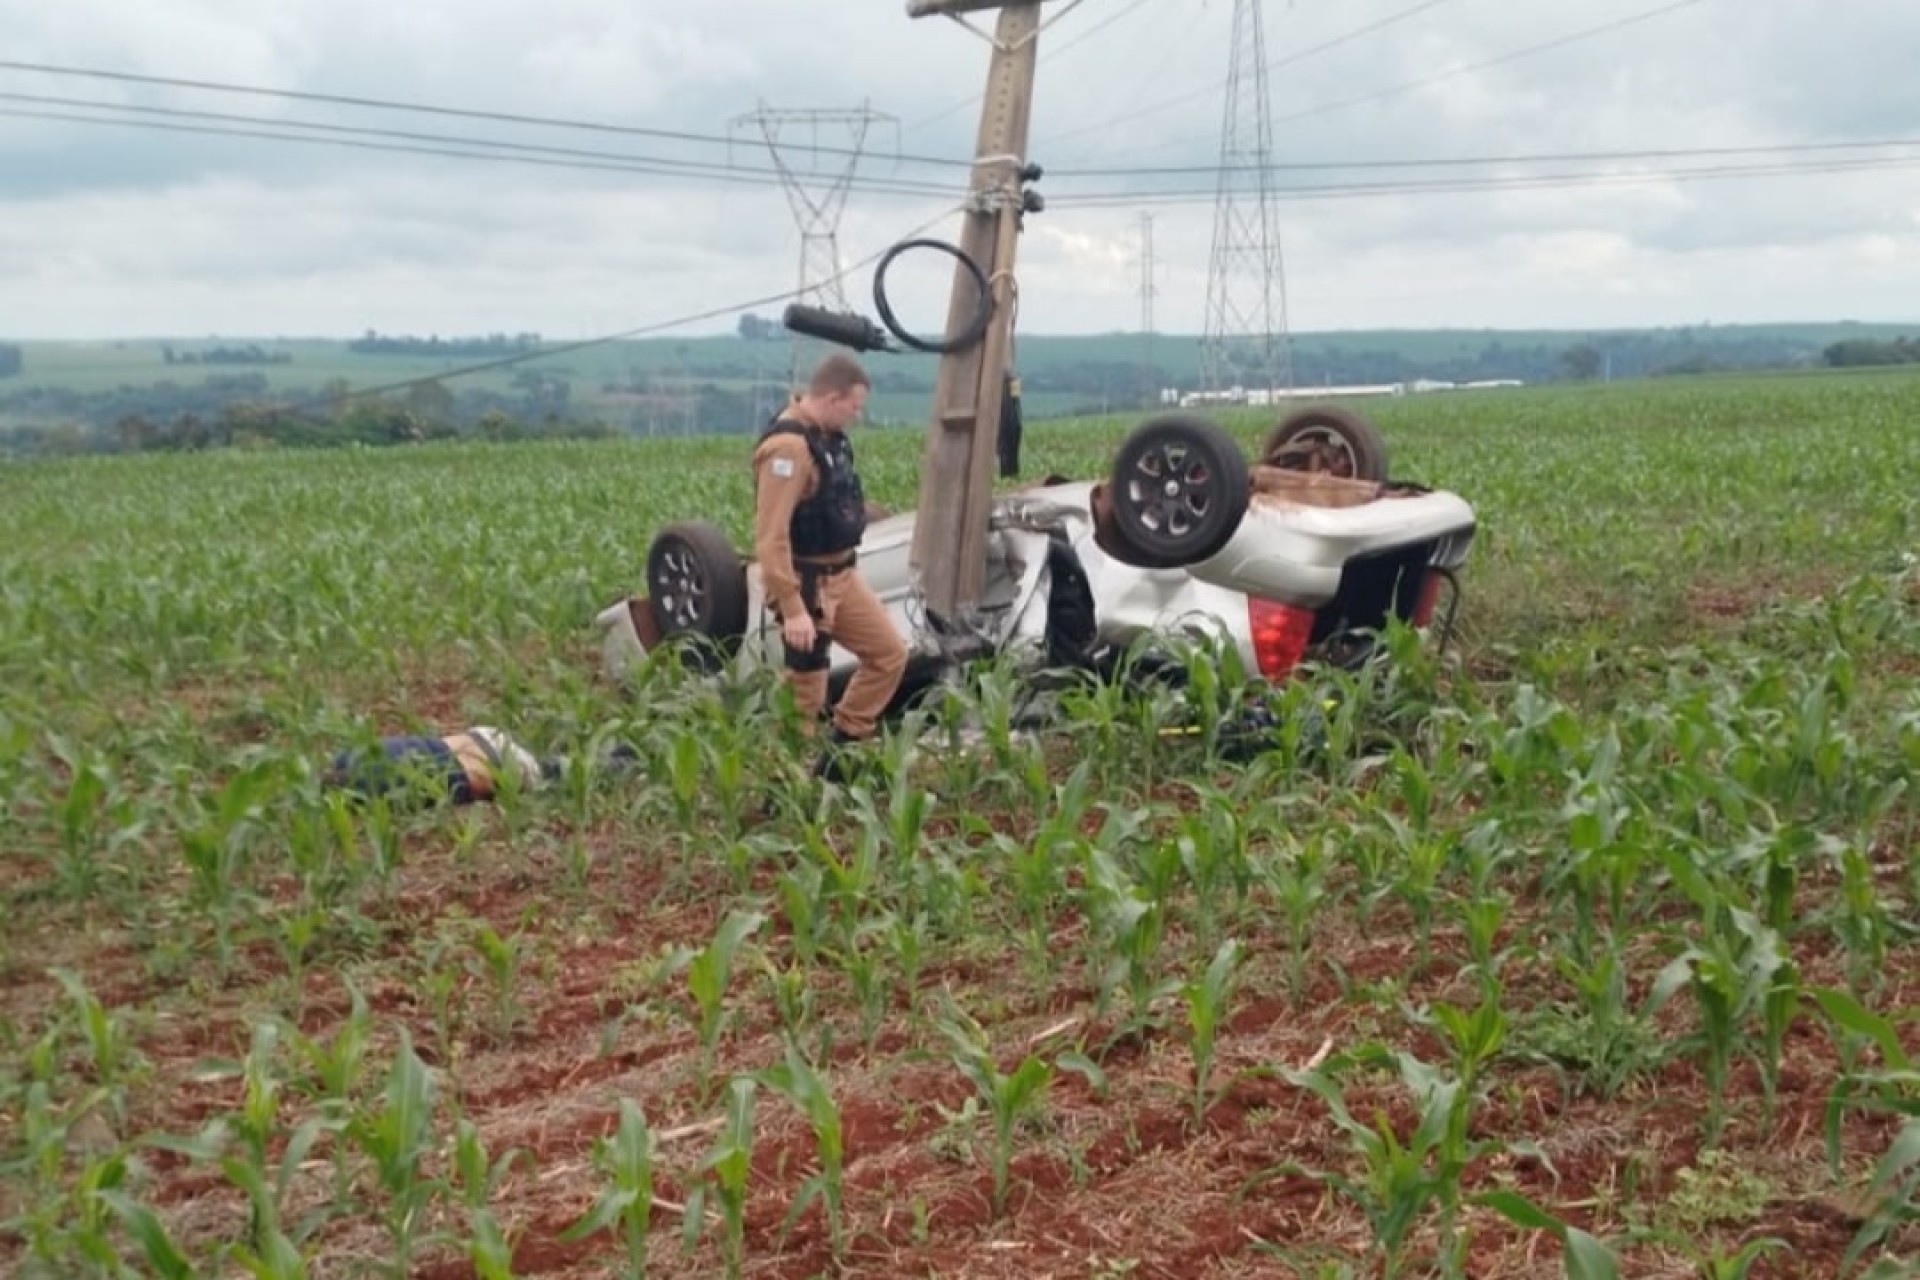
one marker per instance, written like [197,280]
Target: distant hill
[730,383]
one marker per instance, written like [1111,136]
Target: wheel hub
[681,591]
[1170,491]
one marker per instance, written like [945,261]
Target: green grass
[1528,944]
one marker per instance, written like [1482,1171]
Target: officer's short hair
[838,374]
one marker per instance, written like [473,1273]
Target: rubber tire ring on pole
[976,329]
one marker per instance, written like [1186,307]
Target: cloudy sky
[108,230]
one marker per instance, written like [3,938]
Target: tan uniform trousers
[845,610]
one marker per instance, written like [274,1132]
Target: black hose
[845,328]
[976,328]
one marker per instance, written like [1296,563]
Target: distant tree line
[249,425]
[1113,377]
[1860,354]
[239,411]
[493,344]
[11,359]
[252,353]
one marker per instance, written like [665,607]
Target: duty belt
[814,569]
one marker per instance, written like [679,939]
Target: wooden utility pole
[956,480]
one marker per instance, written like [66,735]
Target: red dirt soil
[1104,1182]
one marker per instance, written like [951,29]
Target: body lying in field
[463,767]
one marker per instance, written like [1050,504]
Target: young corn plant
[1583,1255]
[164,1257]
[1481,915]
[801,891]
[1212,845]
[478,1179]
[335,1068]
[1741,971]
[110,1048]
[1036,865]
[1475,1038]
[397,1136]
[906,939]
[1008,1095]
[1130,924]
[500,959]
[686,767]
[864,963]
[1296,876]
[1600,1033]
[724,1175]
[627,1161]
[796,1079]
[43,1216]
[1861,917]
[1404,1182]
[793,998]
[1207,999]
[730,773]
[1893,1088]
[1422,858]
[708,973]
[216,845]
[271,1246]
[85,825]
[847,886]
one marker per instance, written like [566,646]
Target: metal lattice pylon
[817,193]
[1246,343]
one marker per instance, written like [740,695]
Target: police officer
[810,515]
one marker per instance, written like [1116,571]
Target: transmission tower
[817,190]
[1245,343]
[1147,292]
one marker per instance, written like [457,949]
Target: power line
[388,104]
[1548,181]
[639,331]
[667,166]
[1440,162]
[750,178]
[639,163]
[1290,60]
[1545,46]
[1045,54]
[1165,196]
[1392,91]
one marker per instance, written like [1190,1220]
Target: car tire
[1328,439]
[1179,487]
[697,584]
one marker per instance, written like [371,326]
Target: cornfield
[1586,947]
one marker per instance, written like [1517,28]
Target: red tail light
[1429,598]
[1280,635]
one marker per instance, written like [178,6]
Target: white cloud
[107,231]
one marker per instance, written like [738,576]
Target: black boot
[834,764]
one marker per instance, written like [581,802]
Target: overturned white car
[1304,555]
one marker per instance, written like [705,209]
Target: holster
[815,658]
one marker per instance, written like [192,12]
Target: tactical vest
[834,519]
